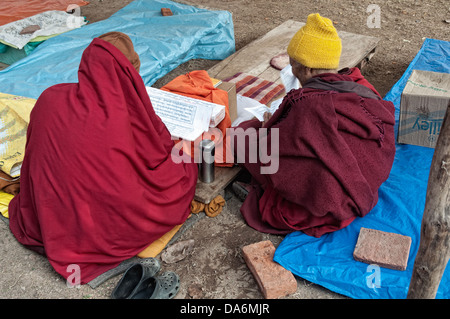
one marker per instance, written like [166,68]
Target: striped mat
[256,88]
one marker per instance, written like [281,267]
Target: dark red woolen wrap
[98,183]
[335,151]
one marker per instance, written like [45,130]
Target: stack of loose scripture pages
[247,108]
[185,117]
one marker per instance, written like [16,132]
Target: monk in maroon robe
[98,183]
[335,144]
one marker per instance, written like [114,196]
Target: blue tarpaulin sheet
[328,261]
[162,42]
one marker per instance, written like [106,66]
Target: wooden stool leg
[434,249]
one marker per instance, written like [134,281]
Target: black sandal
[135,279]
[165,286]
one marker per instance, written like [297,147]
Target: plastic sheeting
[328,261]
[162,42]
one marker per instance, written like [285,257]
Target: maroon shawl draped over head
[335,150]
[98,184]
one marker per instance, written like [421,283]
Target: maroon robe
[336,147]
[98,183]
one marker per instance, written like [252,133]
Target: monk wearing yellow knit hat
[315,48]
[331,142]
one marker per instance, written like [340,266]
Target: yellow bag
[158,245]
[14,118]
[5,198]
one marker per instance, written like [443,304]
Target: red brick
[30,29]
[384,249]
[166,12]
[273,280]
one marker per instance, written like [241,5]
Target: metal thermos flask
[206,166]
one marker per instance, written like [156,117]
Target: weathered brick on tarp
[273,280]
[384,249]
[166,12]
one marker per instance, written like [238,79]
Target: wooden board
[205,193]
[254,59]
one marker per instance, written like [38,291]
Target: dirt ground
[215,268]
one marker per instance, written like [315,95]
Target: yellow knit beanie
[317,44]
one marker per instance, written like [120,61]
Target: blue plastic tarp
[162,42]
[328,261]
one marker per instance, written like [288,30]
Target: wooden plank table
[254,59]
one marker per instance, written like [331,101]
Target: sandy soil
[215,268]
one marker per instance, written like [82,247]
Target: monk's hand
[266,117]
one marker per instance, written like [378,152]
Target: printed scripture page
[184,117]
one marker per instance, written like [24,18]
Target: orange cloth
[16,10]
[212,209]
[8,184]
[198,84]
[197,207]
[215,207]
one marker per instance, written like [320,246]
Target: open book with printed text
[185,117]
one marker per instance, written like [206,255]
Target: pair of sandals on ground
[140,281]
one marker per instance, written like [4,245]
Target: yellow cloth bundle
[15,115]
[158,245]
[5,198]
